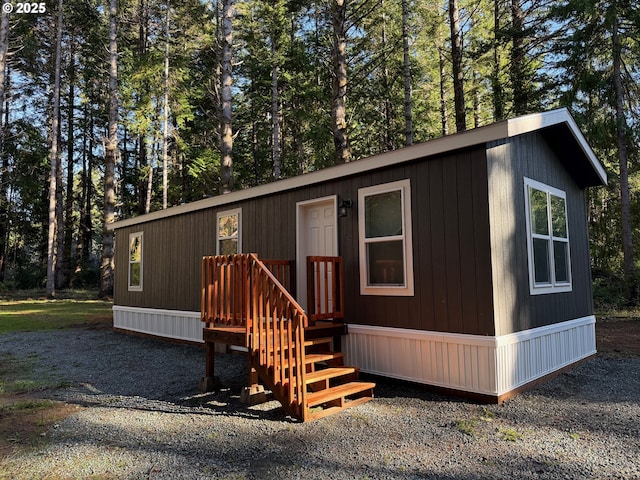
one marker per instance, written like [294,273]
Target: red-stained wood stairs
[246,302]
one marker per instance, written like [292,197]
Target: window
[384,219]
[547,238]
[135,261]
[228,239]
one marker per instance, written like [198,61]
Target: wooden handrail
[325,295]
[275,328]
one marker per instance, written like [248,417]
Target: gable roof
[557,126]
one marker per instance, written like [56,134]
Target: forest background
[114,108]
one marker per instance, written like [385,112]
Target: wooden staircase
[294,358]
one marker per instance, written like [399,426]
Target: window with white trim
[547,238]
[228,238]
[386,254]
[135,261]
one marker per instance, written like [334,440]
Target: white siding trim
[486,365]
[176,324]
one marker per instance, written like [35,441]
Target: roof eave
[466,139]
[539,121]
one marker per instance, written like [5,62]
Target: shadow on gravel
[105,368]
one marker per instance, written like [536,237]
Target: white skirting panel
[162,323]
[470,363]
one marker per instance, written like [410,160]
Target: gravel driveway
[140,415]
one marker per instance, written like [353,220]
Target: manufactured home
[465,260]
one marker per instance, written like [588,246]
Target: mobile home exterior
[466,258]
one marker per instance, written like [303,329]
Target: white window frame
[227,213]
[552,286]
[135,288]
[407,289]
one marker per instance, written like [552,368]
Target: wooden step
[318,341]
[329,373]
[326,374]
[325,412]
[311,358]
[340,392]
[325,329]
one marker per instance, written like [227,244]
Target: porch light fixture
[342,208]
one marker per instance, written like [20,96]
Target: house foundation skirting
[174,324]
[489,367]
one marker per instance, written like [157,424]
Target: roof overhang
[564,136]
[558,126]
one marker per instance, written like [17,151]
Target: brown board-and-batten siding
[451,259]
[516,309]
[451,255]
[172,252]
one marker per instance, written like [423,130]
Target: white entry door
[317,234]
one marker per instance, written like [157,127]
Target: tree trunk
[458,74]
[339,110]
[496,84]
[111,151]
[518,59]
[275,113]
[388,142]
[143,160]
[147,205]
[67,268]
[476,98]
[84,230]
[54,158]
[621,127]
[4,210]
[226,148]
[60,224]
[443,88]
[408,104]
[165,132]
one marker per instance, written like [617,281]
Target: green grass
[511,435]
[30,405]
[35,315]
[467,426]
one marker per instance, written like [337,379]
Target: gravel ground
[139,415]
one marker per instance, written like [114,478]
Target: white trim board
[176,324]
[486,365]
[469,138]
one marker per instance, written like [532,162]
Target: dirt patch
[618,336]
[97,322]
[25,421]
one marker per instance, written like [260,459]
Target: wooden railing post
[325,293]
